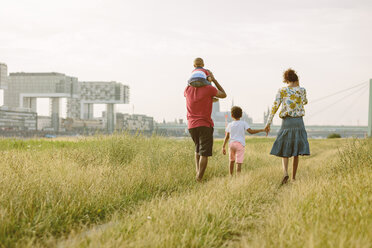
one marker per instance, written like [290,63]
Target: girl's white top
[237,131]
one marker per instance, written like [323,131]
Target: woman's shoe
[284,180]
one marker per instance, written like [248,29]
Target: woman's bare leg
[285,170]
[232,167]
[295,165]
[285,166]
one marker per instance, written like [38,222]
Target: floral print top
[292,99]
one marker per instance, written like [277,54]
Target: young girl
[235,131]
[292,136]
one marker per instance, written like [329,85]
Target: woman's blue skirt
[291,139]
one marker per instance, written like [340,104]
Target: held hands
[267,129]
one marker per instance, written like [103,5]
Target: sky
[150,46]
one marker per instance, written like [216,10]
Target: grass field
[125,191]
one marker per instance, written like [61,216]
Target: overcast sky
[150,45]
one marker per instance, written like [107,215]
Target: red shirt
[199,105]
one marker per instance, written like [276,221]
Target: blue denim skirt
[291,139]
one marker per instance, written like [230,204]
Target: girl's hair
[290,76]
[236,112]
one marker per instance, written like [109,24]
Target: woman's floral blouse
[293,99]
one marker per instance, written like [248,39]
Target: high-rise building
[98,92]
[22,90]
[3,75]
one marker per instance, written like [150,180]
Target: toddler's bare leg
[232,167]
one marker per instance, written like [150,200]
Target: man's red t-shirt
[199,105]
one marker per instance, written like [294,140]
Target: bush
[333,136]
[356,154]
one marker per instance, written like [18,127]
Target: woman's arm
[227,137]
[275,107]
[304,99]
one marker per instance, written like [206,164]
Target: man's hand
[223,151]
[221,92]
[211,75]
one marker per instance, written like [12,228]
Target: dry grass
[124,191]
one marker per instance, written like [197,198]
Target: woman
[292,136]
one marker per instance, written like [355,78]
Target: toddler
[235,131]
[199,77]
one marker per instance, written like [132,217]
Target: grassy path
[237,212]
[105,193]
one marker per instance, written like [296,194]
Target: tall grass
[49,188]
[125,191]
[329,208]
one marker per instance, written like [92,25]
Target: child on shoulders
[235,131]
[200,77]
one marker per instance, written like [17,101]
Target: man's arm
[221,92]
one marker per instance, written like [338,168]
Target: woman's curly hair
[290,76]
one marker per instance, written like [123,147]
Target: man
[199,101]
